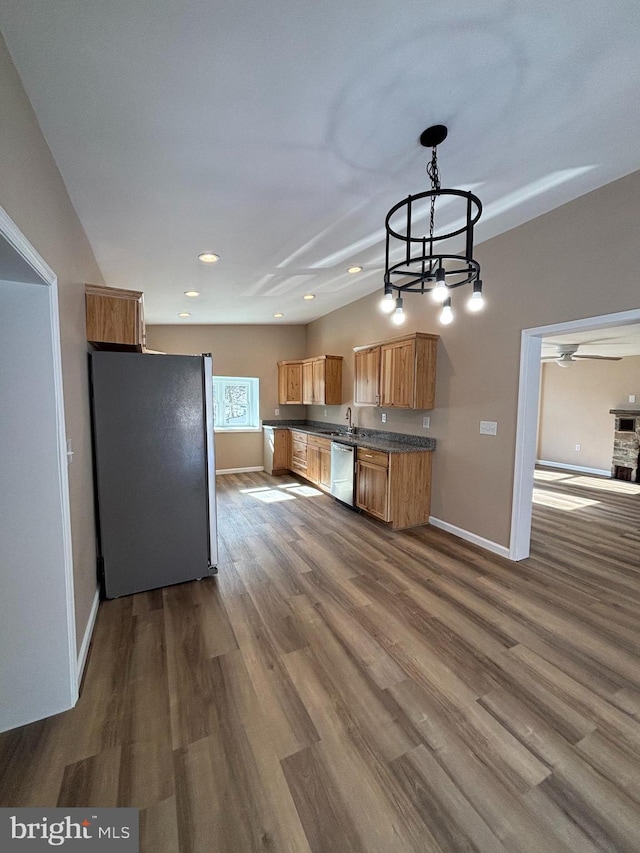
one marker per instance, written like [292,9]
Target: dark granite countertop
[387,442]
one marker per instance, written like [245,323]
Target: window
[236,403]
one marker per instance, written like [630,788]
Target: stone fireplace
[625,464]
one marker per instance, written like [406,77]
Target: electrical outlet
[384,417]
[426,422]
[632,398]
[578,447]
[488,427]
[325,413]
[276,412]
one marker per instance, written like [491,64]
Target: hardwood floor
[344,688]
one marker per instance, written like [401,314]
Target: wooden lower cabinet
[372,489]
[276,450]
[319,462]
[324,479]
[298,453]
[394,487]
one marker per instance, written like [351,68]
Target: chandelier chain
[434,174]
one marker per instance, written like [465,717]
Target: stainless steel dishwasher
[342,472]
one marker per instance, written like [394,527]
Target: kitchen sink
[333,433]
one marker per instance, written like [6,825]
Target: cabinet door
[367,377]
[324,478]
[281,451]
[318,380]
[313,463]
[307,383]
[290,382]
[371,489]
[114,318]
[397,366]
[332,394]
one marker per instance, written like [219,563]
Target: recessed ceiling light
[192,293]
[278,314]
[309,296]
[354,270]
[184,314]
[208,257]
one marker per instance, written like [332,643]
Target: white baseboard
[84,648]
[240,470]
[599,471]
[487,544]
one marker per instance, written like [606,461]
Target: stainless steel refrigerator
[154,466]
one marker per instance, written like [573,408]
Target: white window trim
[238,430]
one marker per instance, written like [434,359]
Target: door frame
[527,418]
[44,276]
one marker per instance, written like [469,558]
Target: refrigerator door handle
[207,389]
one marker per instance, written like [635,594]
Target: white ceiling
[278,133]
[619,341]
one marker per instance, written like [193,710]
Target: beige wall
[574,409]
[239,351]
[34,196]
[551,270]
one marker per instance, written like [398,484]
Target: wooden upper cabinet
[367,377]
[316,380]
[115,318]
[397,375]
[307,383]
[407,372]
[289,382]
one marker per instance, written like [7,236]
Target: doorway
[527,419]
[38,665]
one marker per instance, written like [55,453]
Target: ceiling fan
[566,355]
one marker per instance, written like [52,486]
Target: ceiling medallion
[427,264]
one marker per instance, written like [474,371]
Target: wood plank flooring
[344,688]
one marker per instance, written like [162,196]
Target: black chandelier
[425,265]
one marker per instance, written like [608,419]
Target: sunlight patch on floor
[568,503]
[550,475]
[305,491]
[270,496]
[284,492]
[619,486]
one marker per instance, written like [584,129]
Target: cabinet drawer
[317,441]
[374,457]
[300,437]
[299,452]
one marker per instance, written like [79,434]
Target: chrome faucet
[351,429]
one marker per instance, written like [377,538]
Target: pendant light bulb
[398,317]
[446,317]
[387,303]
[440,291]
[476,300]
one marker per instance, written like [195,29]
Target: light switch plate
[276,412]
[488,427]
[426,422]
[632,398]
